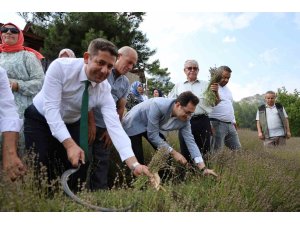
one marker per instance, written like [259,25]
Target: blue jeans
[224,133]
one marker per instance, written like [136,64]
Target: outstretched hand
[207,172]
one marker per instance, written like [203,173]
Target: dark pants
[201,130]
[100,162]
[50,152]
[137,145]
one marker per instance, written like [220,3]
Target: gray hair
[190,61]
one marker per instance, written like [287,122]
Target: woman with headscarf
[134,97]
[23,66]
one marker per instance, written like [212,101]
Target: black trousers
[99,162]
[137,145]
[201,130]
[50,152]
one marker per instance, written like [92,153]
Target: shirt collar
[196,81]
[83,77]
[270,107]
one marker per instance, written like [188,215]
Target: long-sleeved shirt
[9,117]
[198,87]
[26,69]
[60,102]
[155,115]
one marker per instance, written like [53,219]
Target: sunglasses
[192,68]
[12,30]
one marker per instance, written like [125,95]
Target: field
[251,180]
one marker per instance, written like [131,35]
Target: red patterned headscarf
[19,45]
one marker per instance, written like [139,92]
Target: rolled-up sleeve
[9,117]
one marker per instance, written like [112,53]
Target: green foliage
[291,103]
[215,77]
[160,79]
[245,114]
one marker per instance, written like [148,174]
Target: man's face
[270,99]
[225,78]
[125,63]
[184,113]
[191,70]
[99,66]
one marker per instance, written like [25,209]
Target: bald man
[127,58]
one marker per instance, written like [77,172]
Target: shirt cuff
[198,159]
[126,153]
[62,135]
[11,124]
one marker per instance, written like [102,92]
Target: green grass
[254,180]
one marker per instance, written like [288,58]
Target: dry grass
[254,179]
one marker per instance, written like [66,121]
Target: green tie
[84,119]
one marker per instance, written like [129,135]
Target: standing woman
[23,66]
[135,95]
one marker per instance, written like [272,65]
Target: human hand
[261,136]
[214,87]
[288,135]
[178,157]
[91,127]
[75,155]
[13,167]
[207,172]
[106,139]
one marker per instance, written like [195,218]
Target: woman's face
[140,89]
[10,36]
[155,93]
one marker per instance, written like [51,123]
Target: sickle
[64,182]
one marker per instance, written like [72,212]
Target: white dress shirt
[224,110]
[198,88]
[9,117]
[60,102]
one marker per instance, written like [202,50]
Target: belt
[199,116]
[214,119]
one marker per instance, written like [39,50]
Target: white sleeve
[114,127]
[9,117]
[52,94]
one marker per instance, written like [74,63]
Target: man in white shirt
[200,124]
[222,116]
[10,126]
[272,122]
[52,122]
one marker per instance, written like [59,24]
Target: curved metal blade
[64,183]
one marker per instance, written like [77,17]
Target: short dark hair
[100,44]
[185,97]
[224,68]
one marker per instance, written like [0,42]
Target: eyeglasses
[192,68]
[13,30]
[188,113]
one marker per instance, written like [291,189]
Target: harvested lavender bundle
[215,77]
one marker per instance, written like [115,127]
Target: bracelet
[134,166]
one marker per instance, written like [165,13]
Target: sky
[260,48]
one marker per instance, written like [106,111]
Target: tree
[291,103]
[160,78]
[245,114]
[75,30]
